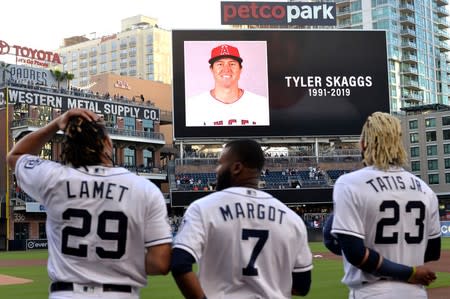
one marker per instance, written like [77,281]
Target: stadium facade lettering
[65,102]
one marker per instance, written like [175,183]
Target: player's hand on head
[423,275]
[85,113]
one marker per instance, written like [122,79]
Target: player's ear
[236,168]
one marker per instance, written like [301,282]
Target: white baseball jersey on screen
[394,212]
[250,110]
[99,220]
[246,243]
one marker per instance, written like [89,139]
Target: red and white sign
[29,55]
[122,84]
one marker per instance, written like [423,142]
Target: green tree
[59,76]
[69,77]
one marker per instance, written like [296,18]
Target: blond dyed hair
[382,143]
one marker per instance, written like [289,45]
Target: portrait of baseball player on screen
[220,89]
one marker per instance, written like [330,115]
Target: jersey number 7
[262,236]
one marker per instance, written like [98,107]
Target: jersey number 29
[120,236]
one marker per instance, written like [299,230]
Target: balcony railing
[407,19]
[442,35]
[409,57]
[409,70]
[134,133]
[442,12]
[408,45]
[38,123]
[408,33]
[407,7]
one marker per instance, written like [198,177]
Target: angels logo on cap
[225,51]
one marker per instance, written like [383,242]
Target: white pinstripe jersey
[246,242]
[99,220]
[250,110]
[395,212]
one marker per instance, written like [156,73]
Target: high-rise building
[417,42]
[141,49]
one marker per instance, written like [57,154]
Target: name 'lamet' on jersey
[251,211]
[394,182]
[95,190]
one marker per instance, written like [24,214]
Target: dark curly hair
[248,152]
[84,142]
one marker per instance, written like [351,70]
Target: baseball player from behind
[107,228]
[386,219]
[247,243]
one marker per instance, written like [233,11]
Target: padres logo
[4,47]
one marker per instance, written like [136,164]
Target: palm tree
[69,77]
[58,75]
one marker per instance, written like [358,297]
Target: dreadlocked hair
[382,140]
[83,142]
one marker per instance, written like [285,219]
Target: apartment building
[417,41]
[141,49]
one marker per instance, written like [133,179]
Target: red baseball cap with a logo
[224,51]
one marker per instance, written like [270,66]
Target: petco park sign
[29,55]
[278,13]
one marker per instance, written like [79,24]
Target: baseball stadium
[318,99]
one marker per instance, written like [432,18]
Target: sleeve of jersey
[303,261]
[31,172]
[435,225]
[191,234]
[157,228]
[347,219]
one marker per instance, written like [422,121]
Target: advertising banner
[278,13]
[66,102]
[445,229]
[32,244]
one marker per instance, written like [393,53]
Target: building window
[430,122]
[148,158]
[130,123]
[147,125]
[42,232]
[447,178]
[129,155]
[413,124]
[431,136]
[433,164]
[415,151]
[432,150]
[446,134]
[415,165]
[446,120]
[433,179]
[414,137]
[21,230]
[447,149]
[447,163]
